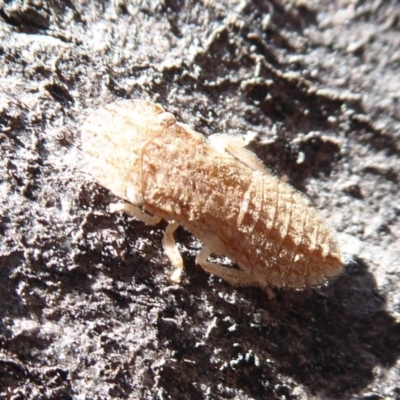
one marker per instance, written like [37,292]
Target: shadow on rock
[338,335]
[330,340]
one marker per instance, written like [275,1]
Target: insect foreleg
[135,212]
[172,251]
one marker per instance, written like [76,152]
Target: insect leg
[233,276]
[172,252]
[135,212]
[236,147]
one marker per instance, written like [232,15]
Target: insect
[215,188]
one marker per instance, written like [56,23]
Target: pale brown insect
[216,189]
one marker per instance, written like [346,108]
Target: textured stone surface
[87,310]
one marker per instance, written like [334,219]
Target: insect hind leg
[233,276]
[236,146]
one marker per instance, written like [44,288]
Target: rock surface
[86,307]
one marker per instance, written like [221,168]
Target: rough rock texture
[86,307]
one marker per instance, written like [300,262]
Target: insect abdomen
[290,244]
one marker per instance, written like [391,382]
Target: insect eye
[165,119]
